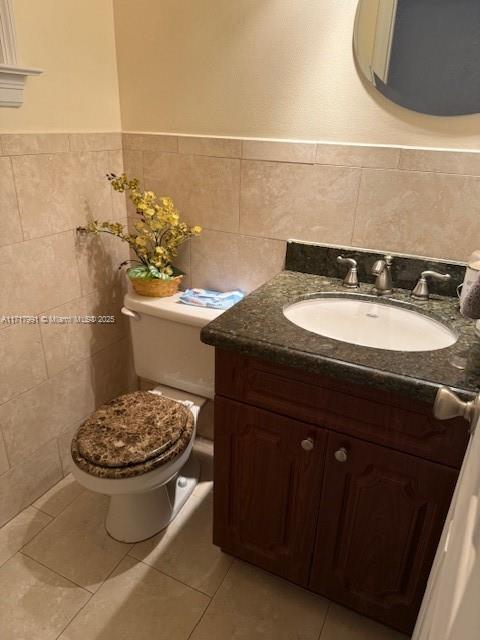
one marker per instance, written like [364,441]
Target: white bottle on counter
[471,275]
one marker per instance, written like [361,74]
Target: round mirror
[421,54]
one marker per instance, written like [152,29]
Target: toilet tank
[166,342]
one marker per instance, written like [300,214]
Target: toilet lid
[132,429]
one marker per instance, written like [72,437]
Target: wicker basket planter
[156,288]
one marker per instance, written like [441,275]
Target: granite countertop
[257,327]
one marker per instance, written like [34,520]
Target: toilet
[137,448]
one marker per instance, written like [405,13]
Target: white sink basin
[370,324]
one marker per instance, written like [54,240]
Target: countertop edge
[340,369]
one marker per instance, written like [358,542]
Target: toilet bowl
[137,448]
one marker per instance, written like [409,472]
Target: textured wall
[53,376]
[260,68]
[74,43]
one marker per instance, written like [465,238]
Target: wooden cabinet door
[381,517]
[268,477]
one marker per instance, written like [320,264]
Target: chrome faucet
[382,269]
[351,279]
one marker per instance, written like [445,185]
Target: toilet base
[135,517]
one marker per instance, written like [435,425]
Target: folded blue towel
[211,299]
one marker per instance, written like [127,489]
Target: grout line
[249,235]
[73,617]
[355,207]
[65,507]
[71,366]
[25,544]
[10,466]
[212,598]
[168,575]
[327,612]
[15,187]
[239,221]
[92,594]
[24,553]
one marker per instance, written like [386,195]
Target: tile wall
[251,196]
[52,376]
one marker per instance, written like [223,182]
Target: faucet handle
[351,279]
[420,291]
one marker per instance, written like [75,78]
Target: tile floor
[62,576]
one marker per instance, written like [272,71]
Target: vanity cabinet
[267,487]
[381,516]
[339,488]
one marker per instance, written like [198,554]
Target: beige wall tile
[23,363]
[10,227]
[205,190]
[3,456]
[279,151]
[133,164]
[76,545]
[358,156]
[35,602]
[25,482]
[150,142]
[65,344]
[306,202]
[95,141]
[133,167]
[57,192]
[254,604]
[138,602]
[46,411]
[43,413]
[113,371]
[219,147]
[467,163]
[227,261]
[99,258]
[421,213]
[119,200]
[64,442]
[16,144]
[205,421]
[21,530]
[38,275]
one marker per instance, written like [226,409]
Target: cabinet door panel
[267,487]
[381,517]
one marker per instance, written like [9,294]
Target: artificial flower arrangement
[159,235]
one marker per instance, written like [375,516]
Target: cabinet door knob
[341,455]
[308,444]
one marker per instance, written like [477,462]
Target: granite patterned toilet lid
[132,429]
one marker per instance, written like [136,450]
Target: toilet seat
[132,435]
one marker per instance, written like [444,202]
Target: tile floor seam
[54,517]
[329,606]
[92,594]
[20,549]
[211,601]
[168,575]
[27,555]
[73,618]
[57,573]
